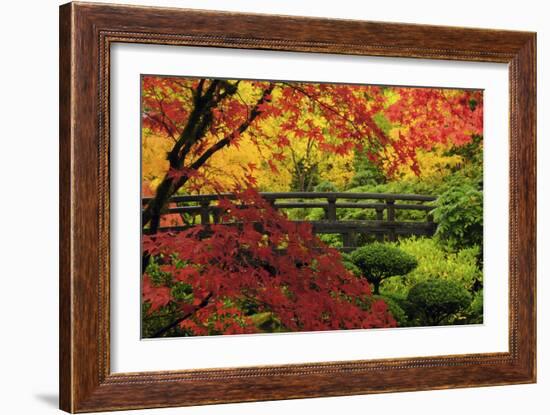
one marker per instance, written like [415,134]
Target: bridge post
[205,212]
[380,217]
[430,220]
[348,240]
[390,208]
[216,215]
[331,211]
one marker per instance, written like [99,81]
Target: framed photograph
[260,207]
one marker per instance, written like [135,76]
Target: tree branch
[194,131]
[227,139]
[326,106]
[174,323]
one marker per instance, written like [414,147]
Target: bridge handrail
[385,203]
[304,195]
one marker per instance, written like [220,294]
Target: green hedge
[436,301]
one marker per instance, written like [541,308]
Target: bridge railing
[383,205]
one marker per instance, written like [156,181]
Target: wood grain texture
[86,33]
[65,247]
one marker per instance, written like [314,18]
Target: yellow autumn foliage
[256,153]
[432,163]
[153,158]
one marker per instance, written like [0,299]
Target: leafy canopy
[286,126]
[378,261]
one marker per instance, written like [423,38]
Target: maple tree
[275,265]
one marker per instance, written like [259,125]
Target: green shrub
[459,217]
[428,186]
[378,261]
[154,271]
[350,266]
[267,322]
[471,170]
[413,186]
[325,186]
[366,172]
[181,291]
[435,262]
[474,313]
[395,309]
[365,177]
[315,214]
[304,213]
[357,214]
[435,301]
[331,239]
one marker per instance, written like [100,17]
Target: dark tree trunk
[376,287]
[194,131]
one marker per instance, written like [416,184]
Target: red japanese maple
[256,255]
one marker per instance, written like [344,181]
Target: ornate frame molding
[86,34]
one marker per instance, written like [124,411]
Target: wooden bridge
[385,208]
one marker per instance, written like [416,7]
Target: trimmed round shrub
[436,300]
[350,266]
[378,261]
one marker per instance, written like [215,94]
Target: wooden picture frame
[86,33]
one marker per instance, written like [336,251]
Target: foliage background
[306,137]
